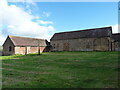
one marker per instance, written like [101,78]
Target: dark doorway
[66,47]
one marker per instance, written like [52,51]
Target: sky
[43,19]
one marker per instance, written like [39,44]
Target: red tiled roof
[25,41]
[88,33]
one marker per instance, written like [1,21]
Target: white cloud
[2,38]
[115,28]
[47,14]
[44,22]
[30,29]
[19,22]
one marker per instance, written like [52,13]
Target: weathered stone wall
[116,46]
[20,50]
[6,47]
[82,44]
[27,50]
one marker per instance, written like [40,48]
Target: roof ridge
[26,41]
[25,37]
[88,33]
[84,30]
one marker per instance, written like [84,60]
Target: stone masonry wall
[27,50]
[82,44]
[8,48]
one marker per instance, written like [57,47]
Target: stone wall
[8,47]
[28,50]
[82,44]
[116,46]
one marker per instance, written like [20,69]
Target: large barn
[24,45]
[97,39]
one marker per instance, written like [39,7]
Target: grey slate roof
[116,37]
[25,41]
[88,33]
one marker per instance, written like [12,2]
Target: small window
[10,48]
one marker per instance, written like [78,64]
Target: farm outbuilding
[96,39]
[24,45]
[115,42]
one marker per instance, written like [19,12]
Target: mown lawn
[61,70]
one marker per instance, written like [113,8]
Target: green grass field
[61,70]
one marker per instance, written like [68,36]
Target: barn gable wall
[6,47]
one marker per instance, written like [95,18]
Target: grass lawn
[61,70]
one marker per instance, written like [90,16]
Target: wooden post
[38,47]
[25,50]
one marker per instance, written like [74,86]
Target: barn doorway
[66,47]
[101,44]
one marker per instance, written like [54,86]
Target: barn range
[96,39]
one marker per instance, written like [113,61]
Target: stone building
[97,39]
[115,42]
[24,45]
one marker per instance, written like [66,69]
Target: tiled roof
[88,33]
[25,41]
[116,37]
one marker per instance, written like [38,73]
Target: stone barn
[24,45]
[115,42]
[97,39]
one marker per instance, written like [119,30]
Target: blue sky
[43,19]
[80,15]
